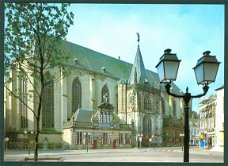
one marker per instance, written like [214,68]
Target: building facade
[219,114]
[212,119]
[194,128]
[207,120]
[134,92]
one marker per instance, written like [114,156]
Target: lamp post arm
[205,90]
[186,95]
[167,87]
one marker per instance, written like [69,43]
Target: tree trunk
[37,136]
[36,148]
[38,123]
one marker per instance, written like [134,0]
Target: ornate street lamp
[168,66]
[205,71]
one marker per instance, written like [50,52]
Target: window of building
[162,106]
[23,105]
[76,95]
[48,105]
[105,94]
[147,103]
[101,117]
[121,138]
[130,99]
[109,118]
[109,141]
[89,139]
[105,117]
[146,125]
[128,138]
[78,138]
[174,107]
[105,138]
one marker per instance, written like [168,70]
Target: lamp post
[6,140]
[182,137]
[140,140]
[87,141]
[205,71]
[150,141]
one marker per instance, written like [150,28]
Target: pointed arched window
[174,107]
[76,95]
[146,125]
[105,94]
[162,106]
[23,105]
[147,103]
[48,104]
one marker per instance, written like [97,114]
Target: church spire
[138,72]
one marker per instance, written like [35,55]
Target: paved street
[168,154]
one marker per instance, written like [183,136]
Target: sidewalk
[20,155]
[217,149]
[127,150]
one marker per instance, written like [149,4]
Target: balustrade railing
[78,124]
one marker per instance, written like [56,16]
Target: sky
[188,30]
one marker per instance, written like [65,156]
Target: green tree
[32,45]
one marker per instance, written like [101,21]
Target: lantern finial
[206,53]
[167,51]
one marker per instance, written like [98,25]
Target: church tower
[142,108]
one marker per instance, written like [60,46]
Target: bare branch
[20,100]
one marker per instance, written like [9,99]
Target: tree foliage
[32,45]
[33,31]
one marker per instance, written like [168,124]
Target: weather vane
[138,37]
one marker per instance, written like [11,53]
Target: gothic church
[124,93]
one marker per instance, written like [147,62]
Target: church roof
[84,115]
[87,59]
[96,62]
[89,118]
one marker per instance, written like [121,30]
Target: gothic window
[78,138]
[101,117]
[147,103]
[174,107]
[121,138]
[108,117]
[105,138]
[105,117]
[162,106]
[76,95]
[132,123]
[130,99]
[105,94]
[147,125]
[48,105]
[23,105]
